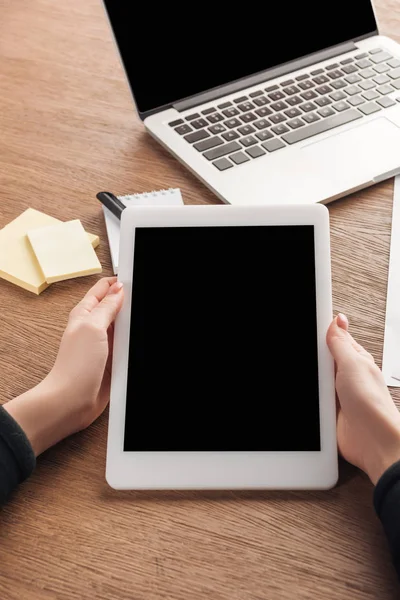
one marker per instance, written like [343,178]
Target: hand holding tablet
[221,375]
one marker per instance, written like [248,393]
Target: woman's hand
[77,389]
[368,422]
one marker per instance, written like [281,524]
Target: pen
[111,202]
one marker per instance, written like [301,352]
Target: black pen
[111,202]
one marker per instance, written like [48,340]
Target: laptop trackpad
[348,159]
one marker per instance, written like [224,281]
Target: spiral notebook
[168,197]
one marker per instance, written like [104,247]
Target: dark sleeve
[17,459]
[387,506]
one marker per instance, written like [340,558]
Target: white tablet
[221,374]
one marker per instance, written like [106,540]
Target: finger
[343,323]
[340,342]
[92,298]
[106,310]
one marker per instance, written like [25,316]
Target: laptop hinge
[284,69]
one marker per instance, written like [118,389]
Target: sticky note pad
[18,263]
[64,251]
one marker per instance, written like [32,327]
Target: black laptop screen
[173,50]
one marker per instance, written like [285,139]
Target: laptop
[289,103]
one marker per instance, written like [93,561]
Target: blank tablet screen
[223,340]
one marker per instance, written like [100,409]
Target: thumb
[339,340]
[105,312]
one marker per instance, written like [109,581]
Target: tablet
[221,377]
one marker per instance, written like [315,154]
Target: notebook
[171,196]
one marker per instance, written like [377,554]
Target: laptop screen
[172,51]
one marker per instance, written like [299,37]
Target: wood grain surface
[67,130]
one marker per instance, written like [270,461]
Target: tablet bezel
[224,470]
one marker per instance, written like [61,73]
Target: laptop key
[321,79]
[224,105]
[360,56]
[349,69]
[261,124]
[199,123]
[295,123]
[311,117]
[324,89]
[271,88]
[367,85]
[277,118]
[293,100]
[215,118]
[375,50]
[335,74]
[323,125]
[308,107]
[231,112]
[229,136]
[380,57]
[341,106]
[382,79]
[394,63]
[276,96]
[264,135]
[239,158]
[338,84]
[324,101]
[175,123]
[210,143]
[255,94]
[255,152]
[245,106]
[279,105]
[363,63]
[370,95]
[309,95]
[336,96]
[385,89]
[223,164]
[386,102]
[220,151]
[261,101]
[291,89]
[216,128]
[197,136]
[370,108]
[306,85]
[263,112]
[249,140]
[287,82]
[346,61]
[356,100]
[353,79]
[332,66]
[273,145]
[367,73]
[279,129]
[394,74]
[246,130]
[292,112]
[240,99]
[396,84]
[326,111]
[231,123]
[381,68]
[302,77]
[317,72]
[193,116]
[352,90]
[182,129]
[248,117]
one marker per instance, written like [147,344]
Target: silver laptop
[289,103]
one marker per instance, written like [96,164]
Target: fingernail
[116,287]
[342,321]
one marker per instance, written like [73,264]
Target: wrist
[41,413]
[385,454]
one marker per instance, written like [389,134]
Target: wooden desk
[68,129]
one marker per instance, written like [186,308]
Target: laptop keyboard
[266,120]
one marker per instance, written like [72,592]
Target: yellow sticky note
[63,251]
[18,263]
